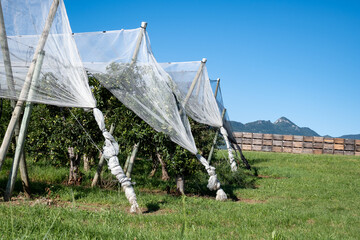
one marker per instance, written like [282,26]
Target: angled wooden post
[217,87]
[133,61]
[126,164]
[24,92]
[23,130]
[6,54]
[215,138]
[7,62]
[138,42]
[193,84]
[132,159]
[101,162]
[11,87]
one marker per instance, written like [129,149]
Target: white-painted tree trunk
[101,162]
[111,150]
[230,150]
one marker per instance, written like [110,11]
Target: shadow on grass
[152,207]
[196,184]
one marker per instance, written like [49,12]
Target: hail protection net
[221,107]
[136,79]
[201,105]
[63,80]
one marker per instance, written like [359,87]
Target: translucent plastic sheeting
[63,80]
[141,85]
[201,105]
[220,103]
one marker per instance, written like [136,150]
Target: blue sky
[299,59]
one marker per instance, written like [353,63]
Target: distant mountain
[281,126]
[351,136]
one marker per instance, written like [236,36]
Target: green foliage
[53,129]
[5,115]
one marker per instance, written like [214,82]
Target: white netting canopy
[63,80]
[136,79]
[201,105]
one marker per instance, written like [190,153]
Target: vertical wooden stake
[24,92]
[126,165]
[23,130]
[132,159]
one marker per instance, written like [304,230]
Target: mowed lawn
[289,197]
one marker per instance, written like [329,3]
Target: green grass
[292,197]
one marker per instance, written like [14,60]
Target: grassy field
[288,197]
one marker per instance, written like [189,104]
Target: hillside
[281,126]
[351,136]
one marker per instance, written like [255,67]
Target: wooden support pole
[7,63]
[23,130]
[217,87]
[216,136]
[23,168]
[101,162]
[132,159]
[6,54]
[203,61]
[126,165]
[24,92]
[11,87]
[138,42]
[133,61]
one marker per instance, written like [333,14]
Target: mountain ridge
[282,126]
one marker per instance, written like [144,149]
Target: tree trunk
[86,163]
[155,165]
[74,176]
[180,184]
[165,175]
[24,176]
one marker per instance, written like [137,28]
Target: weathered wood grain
[319,139]
[298,138]
[339,140]
[269,136]
[257,135]
[276,149]
[308,139]
[288,137]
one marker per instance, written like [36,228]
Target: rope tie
[87,134]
